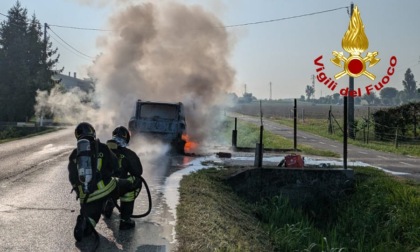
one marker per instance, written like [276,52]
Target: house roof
[70,82]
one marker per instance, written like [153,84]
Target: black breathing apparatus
[84,163]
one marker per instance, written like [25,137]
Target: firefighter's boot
[126,212]
[83,228]
[126,224]
[108,208]
[80,227]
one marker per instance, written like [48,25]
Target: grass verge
[249,135]
[14,133]
[210,217]
[382,214]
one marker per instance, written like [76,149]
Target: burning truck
[160,121]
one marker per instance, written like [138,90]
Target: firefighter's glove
[124,186]
[137,183]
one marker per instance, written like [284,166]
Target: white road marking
[404,163]
[382,157]
[361,152]
[321,142]
[333,146]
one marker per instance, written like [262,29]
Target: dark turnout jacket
[103,182]
[130,167]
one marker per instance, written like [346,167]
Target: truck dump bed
[160,121]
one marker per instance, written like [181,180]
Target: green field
[248,136]
[320,127]
[314,119]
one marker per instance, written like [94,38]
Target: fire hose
[148,196]
[119,209]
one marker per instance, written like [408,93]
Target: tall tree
[26,64]
[410,86]
[302,98]
[388,95]
[310,91]
[369,98]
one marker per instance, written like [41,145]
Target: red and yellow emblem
[355,42]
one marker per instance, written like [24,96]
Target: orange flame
[189,145]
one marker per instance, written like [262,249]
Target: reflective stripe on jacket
[104,183]
[103,191]
[130,196]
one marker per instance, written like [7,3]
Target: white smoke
[165,52]
[67,107]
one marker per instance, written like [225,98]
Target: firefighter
[129,177]
[91,167]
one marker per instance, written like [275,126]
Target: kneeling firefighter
[129,177]
[91,167]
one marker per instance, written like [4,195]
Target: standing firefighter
[90,167]
[129,174]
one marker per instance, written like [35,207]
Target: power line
[226,26]
[70,50]
[68,27]
[79,28]
[69,44]
[285,18]
[48,26]
[65,45]
[12,23]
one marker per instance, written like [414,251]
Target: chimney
[74,74]
[70,74]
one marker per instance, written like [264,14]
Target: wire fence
[364,127]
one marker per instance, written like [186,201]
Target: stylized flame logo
[355,42]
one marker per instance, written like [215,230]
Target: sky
[280,52]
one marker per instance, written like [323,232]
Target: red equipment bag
[294,161]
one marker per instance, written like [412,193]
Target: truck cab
[161,121]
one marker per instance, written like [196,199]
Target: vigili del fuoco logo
[355,42]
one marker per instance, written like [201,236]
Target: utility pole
[45,42]
[245,88]
[295,126]
[313,83]
[270,91]
[345,134]
[351,98]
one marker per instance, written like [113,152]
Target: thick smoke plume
[167,53]
[163,52]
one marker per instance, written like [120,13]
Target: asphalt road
[399,165]
[38,213]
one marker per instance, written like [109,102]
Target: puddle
[316,162]
[171,185]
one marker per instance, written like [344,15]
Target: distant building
[69,82]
